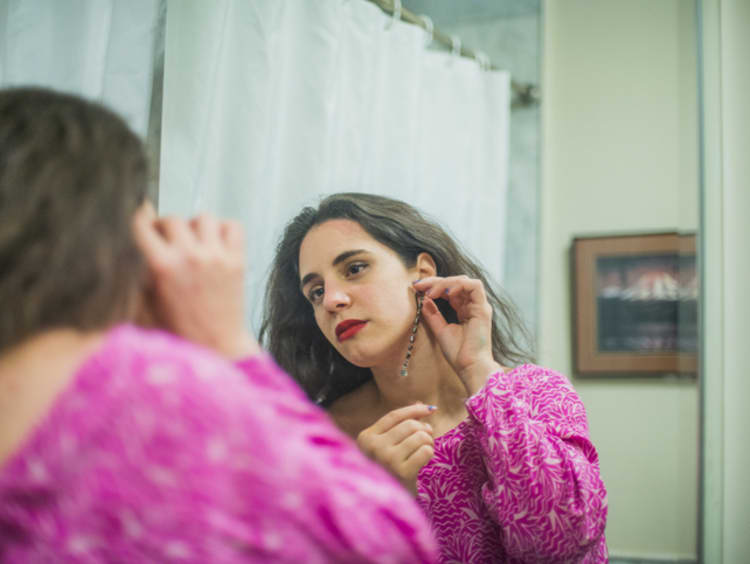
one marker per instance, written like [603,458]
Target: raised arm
[544,487]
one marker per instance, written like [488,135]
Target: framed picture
[635,304]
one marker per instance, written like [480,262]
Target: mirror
[603,133]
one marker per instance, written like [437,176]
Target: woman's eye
[356,268]
[315,295]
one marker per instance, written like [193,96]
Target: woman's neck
[430,379]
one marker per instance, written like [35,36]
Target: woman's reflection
[384,320]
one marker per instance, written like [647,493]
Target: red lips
[347,329]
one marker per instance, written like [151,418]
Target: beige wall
[620,155]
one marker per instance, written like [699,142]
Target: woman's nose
[335,298]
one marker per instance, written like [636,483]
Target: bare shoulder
[356,410]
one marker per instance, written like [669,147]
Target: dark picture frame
[635,300]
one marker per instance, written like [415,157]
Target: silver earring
[412,335]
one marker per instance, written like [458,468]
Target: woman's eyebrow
[339,259]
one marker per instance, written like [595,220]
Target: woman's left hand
[467,345]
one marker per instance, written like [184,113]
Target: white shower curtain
[99,49]
[270,104]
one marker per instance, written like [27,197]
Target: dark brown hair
[289,330]
[71,177]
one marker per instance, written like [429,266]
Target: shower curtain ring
[396,13]
[483,60]
[429,28]
[455,46]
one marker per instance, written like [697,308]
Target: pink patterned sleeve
[544,487]
[161,451]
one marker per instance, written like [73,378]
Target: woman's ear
[145,211]
[425,266]
[143,304]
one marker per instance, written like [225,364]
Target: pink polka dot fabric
[160,451]
[518,481]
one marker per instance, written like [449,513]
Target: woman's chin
[360,362]
[371,354]
[360,359]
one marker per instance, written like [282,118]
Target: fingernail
[416,282]
[447,290]
[432,407]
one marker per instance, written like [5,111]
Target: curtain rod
[525,94]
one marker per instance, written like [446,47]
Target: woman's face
[360,290]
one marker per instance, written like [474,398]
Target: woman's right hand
[400,442]
[197,270]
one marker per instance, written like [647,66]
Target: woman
[383,319]
[119,444]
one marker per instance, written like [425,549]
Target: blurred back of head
[71,177]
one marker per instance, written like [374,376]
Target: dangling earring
[412,335]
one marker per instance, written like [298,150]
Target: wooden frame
[635,304]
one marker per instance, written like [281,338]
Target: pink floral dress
[161,451]
[518,480]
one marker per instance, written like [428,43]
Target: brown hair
[289,328]
[71,177]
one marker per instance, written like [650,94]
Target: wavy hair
[289,330]
[71,177]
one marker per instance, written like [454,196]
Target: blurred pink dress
[161,451]
[518,480]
